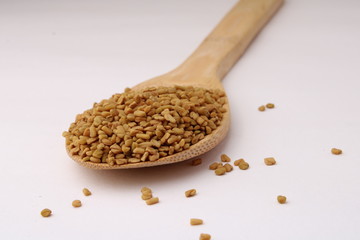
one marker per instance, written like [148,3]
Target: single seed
[270,105]
[145,190]
[213,166]
[225,158]
[261,108]
[152,201]
[243,165]
[146,196]
[205,236]
[86,192]
[76,203]
[46,212]
[237,162]
[228,167]
[220,171]
[336,151]
[196,162]
[281,199]
[190,193]
[196,221]
[269,161]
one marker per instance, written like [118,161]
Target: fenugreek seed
[146,196]
[243,165]
[46,212]
[143,136]
[76,203]
[95,160]
[205,236]
[152,201]
[228,167]
[281,199]
[269,161]
[237,162]
[220,171]
[145,190]
[86,192]
[270,105]
[196,221]
[213,166]
[196,162]
[190,193]
[336,151]
[175,118]
[225,158]
[139,113]
[261,108]
[139,150]
[107,130]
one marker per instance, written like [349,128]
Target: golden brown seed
[269,161]
[46,212]
[243,165]
[213,166]
[196,162]
[152,201]
[270,105]
[170,117]
[281,199]
[336,151]
[86,192]
[190,193]
[237,162]
[205,236]
[261,108]
[145,190]
[228,167]
[76,203]
[225,158]
[220,171]
[146,196]
[196,221]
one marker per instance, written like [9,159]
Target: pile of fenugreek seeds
[146,125]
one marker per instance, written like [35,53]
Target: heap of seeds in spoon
[146,125]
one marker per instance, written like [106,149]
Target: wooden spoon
[205,68]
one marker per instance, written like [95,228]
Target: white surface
[58,57]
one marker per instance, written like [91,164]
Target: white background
[58,57]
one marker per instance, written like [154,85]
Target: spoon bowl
[205,68]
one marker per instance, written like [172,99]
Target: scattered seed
[46,212]
[228,167]
[220,171]
[152,201]
[243,165]
[225,158]
[205,236]
[196,221]
[213,166]
[269,161]
[261,108]
[146,196]
[336,151]
[190,193]
[281,199]
[237,162]
[76,203]
[145,190]
[86,192]
[196,162]
[270,105]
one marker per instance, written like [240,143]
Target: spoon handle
[228,41]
